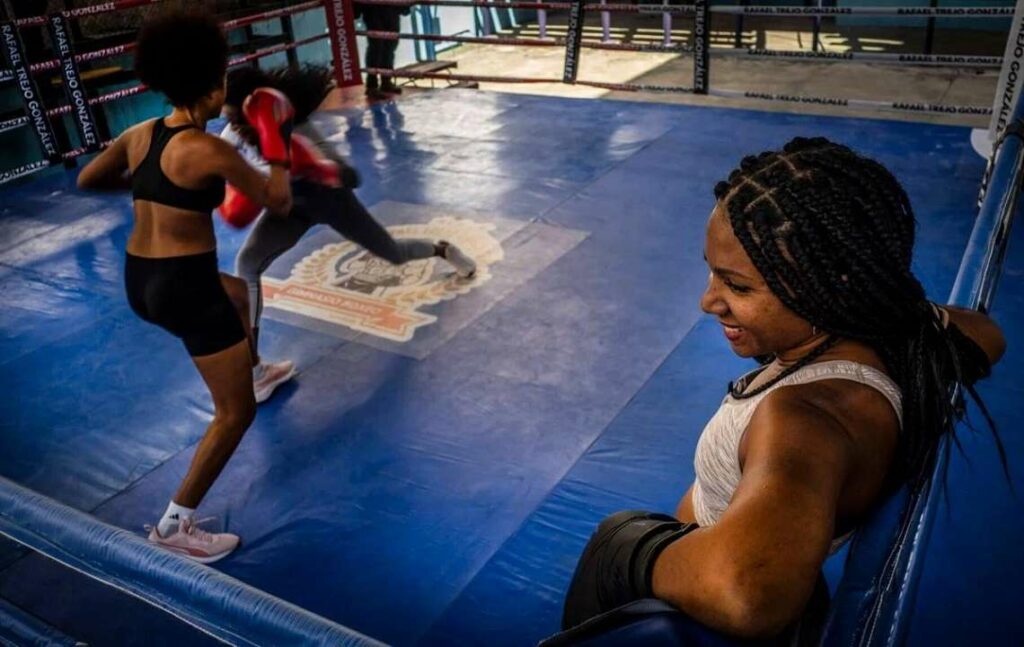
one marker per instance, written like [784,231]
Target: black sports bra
[150,183]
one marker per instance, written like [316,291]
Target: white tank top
[717,459]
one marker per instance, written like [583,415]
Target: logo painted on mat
[343,284]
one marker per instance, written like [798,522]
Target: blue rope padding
[214,603]
[18,627]
[975,282]
[889,620]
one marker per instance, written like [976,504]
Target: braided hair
[832,233]
[306,86]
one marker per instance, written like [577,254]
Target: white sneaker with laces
[267,376]
[195,543]
[464,266]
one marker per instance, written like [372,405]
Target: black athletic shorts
[184,296]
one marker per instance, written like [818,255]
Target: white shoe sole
[262,395]
[465,267]
[195,558]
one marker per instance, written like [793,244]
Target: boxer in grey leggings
[313,204]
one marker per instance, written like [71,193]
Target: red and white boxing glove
[237,209]
[270,114]
[309,163]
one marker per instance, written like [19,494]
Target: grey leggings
[315,204]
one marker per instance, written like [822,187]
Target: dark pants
[314,204]
[381,53]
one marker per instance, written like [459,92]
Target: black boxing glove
[618,562]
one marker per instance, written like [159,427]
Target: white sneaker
[464,266]
[267,376]
[195,543]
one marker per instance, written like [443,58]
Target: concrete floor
[848,80]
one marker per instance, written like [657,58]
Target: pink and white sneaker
[267,376]
[195,543]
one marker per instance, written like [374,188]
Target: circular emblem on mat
[343,283]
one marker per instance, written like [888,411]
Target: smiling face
[753,319]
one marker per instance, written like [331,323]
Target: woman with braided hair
[810,256]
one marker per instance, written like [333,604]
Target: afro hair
[182,55]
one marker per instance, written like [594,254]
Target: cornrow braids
[832,233]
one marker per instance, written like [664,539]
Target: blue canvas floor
[442,496]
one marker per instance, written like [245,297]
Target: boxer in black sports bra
[177,172]
[182,294]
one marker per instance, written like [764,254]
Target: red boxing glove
[270,114]
[237,209]
[309,163]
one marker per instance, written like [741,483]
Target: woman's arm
[108,171]
[752,573]
[982,330]
[219,158]
[684,511]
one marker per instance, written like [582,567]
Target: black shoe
[372,82]
[388,85]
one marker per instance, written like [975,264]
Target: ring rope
[879,57]
[270,15]
[83,12]
[19,122]
[53,64]
[896,59]
[380,71]
[905,59]
[489,40]
[752,10]
[897,106]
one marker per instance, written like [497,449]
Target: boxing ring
[434,471]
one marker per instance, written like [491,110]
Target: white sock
[175,513]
